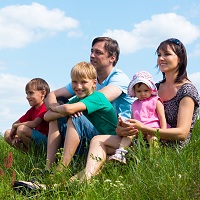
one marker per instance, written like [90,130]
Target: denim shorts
[85,129]
[39,138]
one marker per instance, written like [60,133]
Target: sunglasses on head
[175,41]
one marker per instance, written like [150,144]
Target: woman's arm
[161,114]
[184,120]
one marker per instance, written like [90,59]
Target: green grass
[166,173]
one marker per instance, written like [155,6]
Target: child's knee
[7,135]
[21,130]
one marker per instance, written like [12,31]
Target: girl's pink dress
[145,111]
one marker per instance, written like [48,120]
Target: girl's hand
[135,123]
[125,128]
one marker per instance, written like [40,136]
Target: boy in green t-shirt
[94,106]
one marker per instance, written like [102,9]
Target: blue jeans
[85,129]
[39,138]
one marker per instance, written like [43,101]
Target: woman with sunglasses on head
[181,102]
[179,95]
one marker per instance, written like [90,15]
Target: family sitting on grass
[167,109]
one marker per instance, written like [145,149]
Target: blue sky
[47,38]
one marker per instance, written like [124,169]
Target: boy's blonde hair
[38,84]
[83,70]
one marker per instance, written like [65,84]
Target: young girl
[148,109]
[31,126]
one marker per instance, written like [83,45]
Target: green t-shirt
[99,112]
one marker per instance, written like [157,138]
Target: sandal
[28,186]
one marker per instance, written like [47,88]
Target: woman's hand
[126,128]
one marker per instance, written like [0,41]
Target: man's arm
[111,92]
[51,98]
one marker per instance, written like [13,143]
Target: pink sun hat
[142,77]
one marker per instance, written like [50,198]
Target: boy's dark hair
[179,49]
[38,84]
[111,46]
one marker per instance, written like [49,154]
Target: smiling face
[83,78]
[167,60]
[83,87]
[142,91]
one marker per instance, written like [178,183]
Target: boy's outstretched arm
[69,109]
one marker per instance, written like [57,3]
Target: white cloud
[13,99]
[76,34]
[12,87]
[23,24]
[150,32]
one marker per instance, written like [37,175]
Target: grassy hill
[164,173]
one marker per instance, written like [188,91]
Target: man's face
[99,57]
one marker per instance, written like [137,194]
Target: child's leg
[24,134]
[7,137]
[53,144]
[121,151]
[39,139]
[125,142]
[71,143]
[14,141]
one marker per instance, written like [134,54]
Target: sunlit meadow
[163,173]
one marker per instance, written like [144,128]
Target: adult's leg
[53,144]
